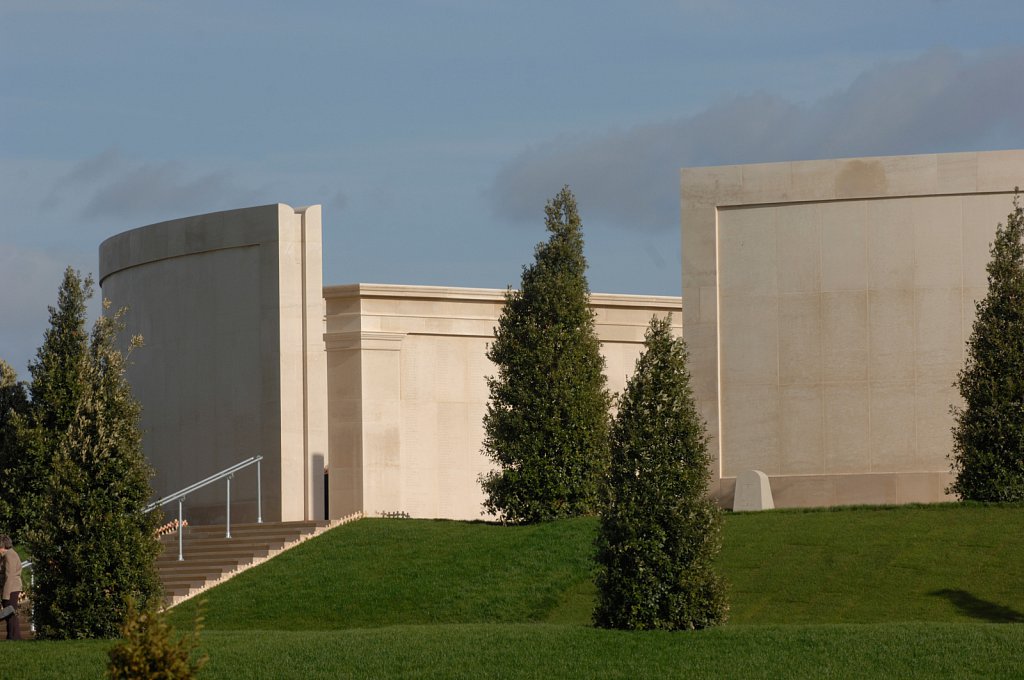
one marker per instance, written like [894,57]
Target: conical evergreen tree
[56,391]
[546,426]
[988,437]
[93,549]
[659,531]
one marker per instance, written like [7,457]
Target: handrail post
[181,554]
[259,495]
[228,533]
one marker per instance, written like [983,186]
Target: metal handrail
[228,474]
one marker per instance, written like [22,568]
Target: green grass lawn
[868,592]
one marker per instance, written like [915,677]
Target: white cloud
[940,101]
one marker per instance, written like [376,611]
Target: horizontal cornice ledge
[386,290]
[378,340]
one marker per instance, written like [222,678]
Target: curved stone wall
[231,310]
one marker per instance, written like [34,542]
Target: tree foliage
[92,547]
[149,648]
[55,391]
[988,435]
[659,531]
[13,406]
[546,425]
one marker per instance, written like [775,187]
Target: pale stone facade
[231,309]
[389,401]
[827,308]
[407,367]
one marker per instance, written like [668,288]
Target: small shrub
[148,648]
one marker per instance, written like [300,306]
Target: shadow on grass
[978,608]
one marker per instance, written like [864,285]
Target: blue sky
[433,131]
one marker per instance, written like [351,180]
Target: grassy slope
[933,563]
[927,563]
[814,594]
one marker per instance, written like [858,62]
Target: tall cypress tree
[659,530]
[546,425]
[56,391]
[988,437]
[92,547]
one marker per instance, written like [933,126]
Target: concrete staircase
[211,558]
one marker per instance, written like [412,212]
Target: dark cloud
[110,186]
[168,188]
[941,101]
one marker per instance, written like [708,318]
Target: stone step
[202,531]
[205,550]
[211,557]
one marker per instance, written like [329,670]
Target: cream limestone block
[846,428]
[418,370]
[805,491]
[707,297]
[382,376]
[813,180]
[753,492]
[450,372]
[938,242]
[844,246]
[845,336]
[957,173]
[749,340]
[702,344]
[981,216]
[890,245]
[891,335]
[458,491]
[421,474]
[699,243]
[762,181]
[934,422]
[939,333]
[800,339]
[722,491]
[704,186]
[750,428]
[708,410]
[747,252]
[924,487]
[798,243]
[869,489]
[1000,170]
[801,429]
[860,177]
[893,437]
[911,175]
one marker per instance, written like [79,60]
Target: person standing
[10,576]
